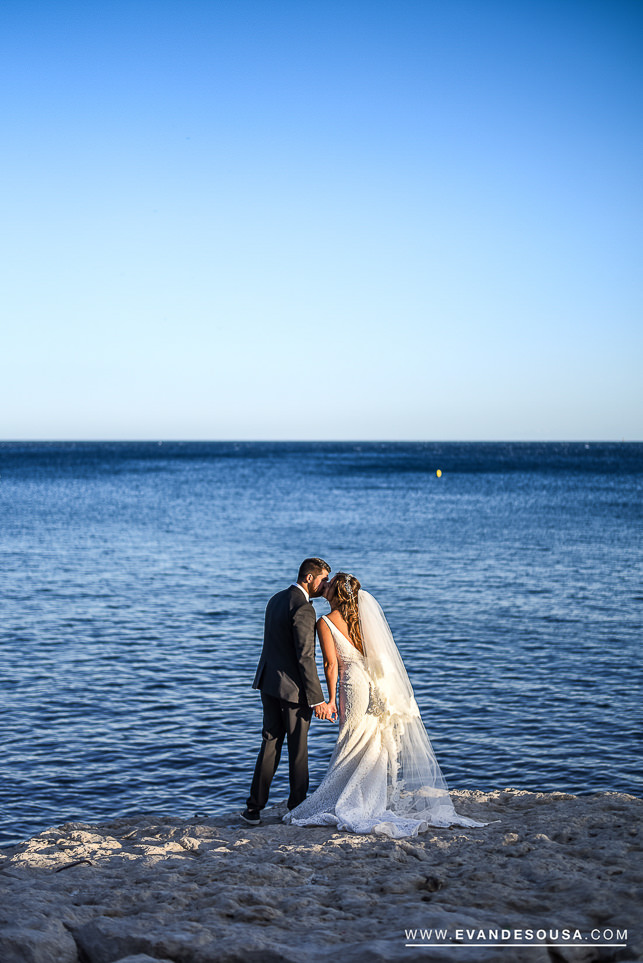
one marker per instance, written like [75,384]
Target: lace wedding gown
[383,776]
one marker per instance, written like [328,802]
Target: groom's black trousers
[281,720]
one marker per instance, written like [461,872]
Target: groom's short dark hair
[312,566]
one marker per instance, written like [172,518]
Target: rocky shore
[567,868]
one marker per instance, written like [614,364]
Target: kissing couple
[383,776]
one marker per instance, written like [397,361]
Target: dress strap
[334,629]
[331,625]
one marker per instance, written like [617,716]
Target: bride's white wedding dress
[383,776]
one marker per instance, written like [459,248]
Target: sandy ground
[205,890]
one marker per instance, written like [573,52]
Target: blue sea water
[135,577]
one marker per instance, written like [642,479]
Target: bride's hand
[332,708]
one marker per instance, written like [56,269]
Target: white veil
[416,787]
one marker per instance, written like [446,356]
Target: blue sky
[321,219]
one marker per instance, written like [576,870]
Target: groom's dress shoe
[251,816]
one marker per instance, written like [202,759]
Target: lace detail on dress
[360,792]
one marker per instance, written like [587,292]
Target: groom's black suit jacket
[287,667]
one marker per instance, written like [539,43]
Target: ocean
[135,578]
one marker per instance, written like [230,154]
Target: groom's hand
[322,711]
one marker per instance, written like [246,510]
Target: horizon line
[320,441]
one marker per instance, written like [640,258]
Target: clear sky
[321,219]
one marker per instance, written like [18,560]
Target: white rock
[218,891]
[142,958]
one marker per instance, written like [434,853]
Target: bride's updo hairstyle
[346,588]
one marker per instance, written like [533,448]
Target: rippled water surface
[135,578]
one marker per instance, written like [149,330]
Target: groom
[289,684]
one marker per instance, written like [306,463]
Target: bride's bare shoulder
[338,620]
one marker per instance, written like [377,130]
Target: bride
[383,776]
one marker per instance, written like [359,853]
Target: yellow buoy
[439,473]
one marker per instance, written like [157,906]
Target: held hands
[326,710]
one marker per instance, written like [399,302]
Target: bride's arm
[330,662]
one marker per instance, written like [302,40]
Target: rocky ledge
[566,868]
